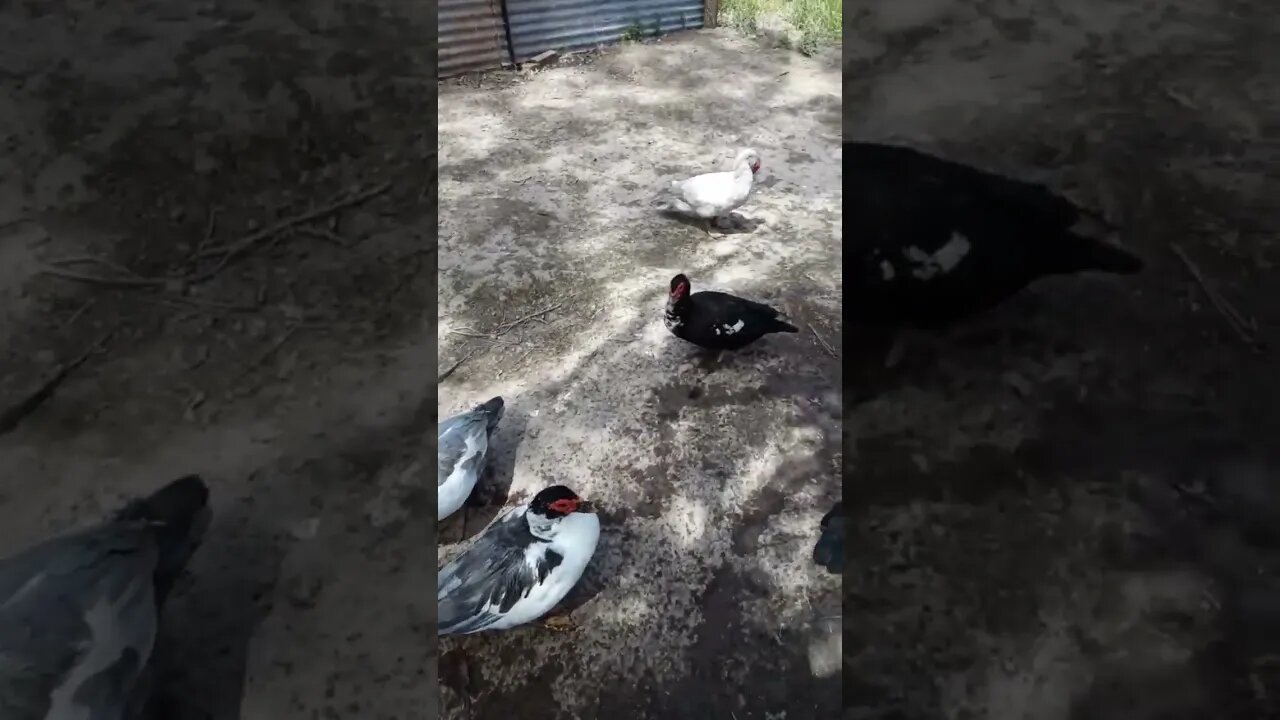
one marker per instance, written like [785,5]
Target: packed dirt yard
[1073,510]
[289,377]
[702,600]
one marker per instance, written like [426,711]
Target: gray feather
[79,613]
[453,433]
[491,576]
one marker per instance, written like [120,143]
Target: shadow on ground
[150,140]
[1060,509]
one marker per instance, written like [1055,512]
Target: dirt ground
[1072,510]
[290,378]
[702,600]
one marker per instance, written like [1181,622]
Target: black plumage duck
[829,550]
[79,613]
[935,241]
[716,320]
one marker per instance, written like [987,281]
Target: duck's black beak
[586,506]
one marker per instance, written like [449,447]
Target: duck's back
[78,619]
[933,240]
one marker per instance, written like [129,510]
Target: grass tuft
[805,25]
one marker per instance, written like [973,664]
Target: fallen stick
[505,328]
[445,375]
[135,281]
[227,253]
[12,417]
[1244,330]
[824,344]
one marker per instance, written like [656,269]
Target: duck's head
[748,157]
[551,507]
[680,288]
[556,502]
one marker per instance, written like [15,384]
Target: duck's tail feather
[492,409]
[784,326]
[1091,244]
[180,514]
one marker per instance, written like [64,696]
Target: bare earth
[122,134]
[1073,511]
[702,600]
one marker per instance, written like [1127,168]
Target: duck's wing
[78,614]
[78,618]
[502,566]
[461,443]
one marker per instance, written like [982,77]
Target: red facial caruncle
[565,506]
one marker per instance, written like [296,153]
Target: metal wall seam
[471,36]
[539,25]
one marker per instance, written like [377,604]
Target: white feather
[458,486]
[115,624]
[575,541]
[712,195]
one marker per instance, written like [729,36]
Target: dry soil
[286,378]
[702,600]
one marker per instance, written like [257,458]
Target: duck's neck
[675,309]
[541,526]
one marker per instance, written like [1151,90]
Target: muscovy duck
[79,613]
[716,320]
[462,442]
[711,196]
[521,567]
[935,241]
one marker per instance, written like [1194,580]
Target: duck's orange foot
[559,623]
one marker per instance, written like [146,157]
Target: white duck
[521,567]
[462,442]
[79,613]
[711,196]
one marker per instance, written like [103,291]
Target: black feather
[491,576]
[934,241]
[179,515]
[719,321]
[829,550]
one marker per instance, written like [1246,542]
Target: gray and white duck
[462,443]
[521,567]
[79,613]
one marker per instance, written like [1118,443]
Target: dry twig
[14,415]
[1246,330]
[824,344]
[227,253]
[127,277]
[453,368]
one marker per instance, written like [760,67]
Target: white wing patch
[730,329]
[943,261]
[115,624]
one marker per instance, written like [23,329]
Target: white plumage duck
[711,196]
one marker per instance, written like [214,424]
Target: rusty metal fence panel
[540,25]
[471,36]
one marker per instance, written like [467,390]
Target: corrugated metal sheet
[539,25]
[471,36]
